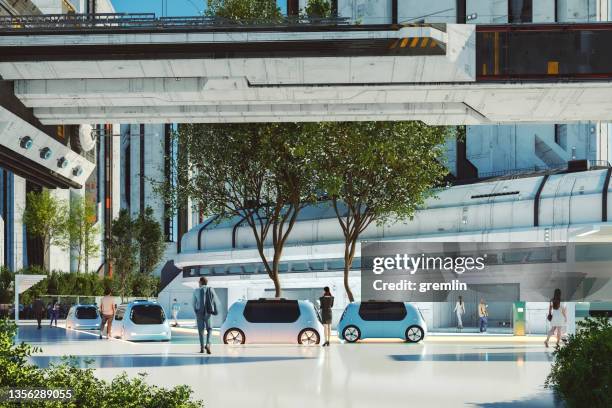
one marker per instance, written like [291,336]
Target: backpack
[210,307]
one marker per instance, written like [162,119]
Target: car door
[118,319]
[392,315]
[370,325]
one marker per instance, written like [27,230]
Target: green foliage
[257,172]
[149,241]
[582,370]
[14,367]
[245,11]
[7,279]
[318,9]
[123,251]
[136,247]
[80,232]
[45,218]
[144,285]
[373,171]
[89,391]
[60,283]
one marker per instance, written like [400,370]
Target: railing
[150,21]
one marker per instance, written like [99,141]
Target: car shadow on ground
[152,360]
[505,356]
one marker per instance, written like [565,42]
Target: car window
[370,311]
[282,311]
[86,313]
[147,314]
[119,313]
[392,311]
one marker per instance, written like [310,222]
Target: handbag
[549,316]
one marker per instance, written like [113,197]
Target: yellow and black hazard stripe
[414,42]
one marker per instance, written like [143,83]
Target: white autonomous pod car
[272,321]
[84,317]
[141,320]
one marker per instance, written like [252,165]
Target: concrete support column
[18,231]
[603,141]
[603,10]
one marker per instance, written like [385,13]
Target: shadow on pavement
[541,400]
[513,357]
[126,361]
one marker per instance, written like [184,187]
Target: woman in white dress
[460,311]
[557,315]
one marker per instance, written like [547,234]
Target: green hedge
[89,391]
[85,284]
[582,370]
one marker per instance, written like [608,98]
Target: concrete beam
[168,99]
[441,113]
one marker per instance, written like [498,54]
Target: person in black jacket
[327,302]
[39,311]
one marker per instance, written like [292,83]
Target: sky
[171,7]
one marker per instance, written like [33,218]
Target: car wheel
[351,334]
[234,336]
[414,334]
[308,337]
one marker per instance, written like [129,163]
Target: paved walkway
[473,371]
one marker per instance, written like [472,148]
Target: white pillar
[603,10]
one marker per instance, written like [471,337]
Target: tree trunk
[46,250]
[275,275]
[349,252]
[277,286]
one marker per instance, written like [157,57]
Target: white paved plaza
[443,371]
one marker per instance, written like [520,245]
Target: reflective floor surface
[440,372]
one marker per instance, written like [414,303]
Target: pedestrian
[54,313]
[557,316]
[483,315]
[204,306]
[107,310]
[176,307]
[460,311]
[39,311]
[327,302]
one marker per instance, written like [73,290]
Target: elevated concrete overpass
[121,68]
[116,68]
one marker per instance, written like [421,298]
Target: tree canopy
[45,217]
[257,173]
[245,11]
[374,171]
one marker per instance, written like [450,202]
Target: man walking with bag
[204,306]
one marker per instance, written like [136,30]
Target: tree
[318,9]
[81,231]
[149,241]
[6,285]
[45,218]
[256,172]
[245,11]
[123,251]
[373,171]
